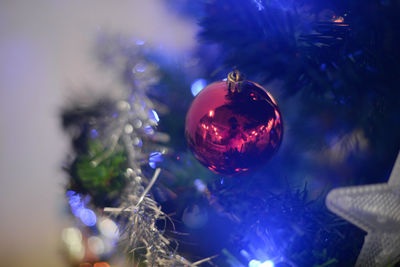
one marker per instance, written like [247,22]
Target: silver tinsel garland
[133,127]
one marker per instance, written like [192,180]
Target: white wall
[44,57]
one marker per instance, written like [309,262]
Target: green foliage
[100,172]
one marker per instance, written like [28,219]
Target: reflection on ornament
[376,210]
[197,86]
[233,126]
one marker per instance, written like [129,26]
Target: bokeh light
[200,186]
[93,133]
[197,86]
[88,217]
[256,263]
[108,228]
[140,67]
[72,238]
[96,245]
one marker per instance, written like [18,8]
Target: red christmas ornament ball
[233,126]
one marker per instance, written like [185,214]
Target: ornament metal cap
[235,81]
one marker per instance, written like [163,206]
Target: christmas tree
[137,189]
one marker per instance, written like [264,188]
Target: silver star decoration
[375,209]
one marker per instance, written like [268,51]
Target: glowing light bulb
[256,263]
[88,217]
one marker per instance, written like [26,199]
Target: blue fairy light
[75,201]
[140,42]
[148,130]
[259,5]
[201,187]
[70,193]
[256,263]
[154,158]
[76,209]
[93,133]
[88,217]
[197,86]
[153,115]
[152,164]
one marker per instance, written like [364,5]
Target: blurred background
[45,59]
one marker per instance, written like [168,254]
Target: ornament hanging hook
[235,80]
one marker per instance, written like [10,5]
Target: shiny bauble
[233,126]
